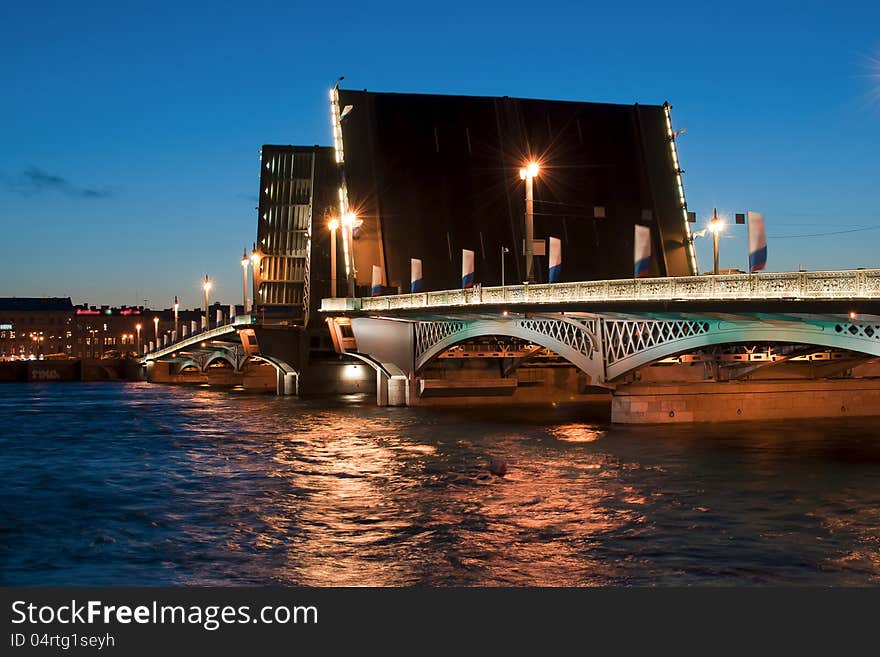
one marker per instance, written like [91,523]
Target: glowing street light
[528,173]
[137,327]
[156,327]
[207,287]
[245,261]
[176,311]
[333,225]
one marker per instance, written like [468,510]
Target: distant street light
[138,329]
[245,261]
[529,173]
[207,287]
[333,225]
[176,310]
[156,327]
[504,251]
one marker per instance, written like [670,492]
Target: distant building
[35,326]
[43,328]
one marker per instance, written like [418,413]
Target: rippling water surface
[135,484]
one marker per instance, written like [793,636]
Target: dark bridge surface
[432,175]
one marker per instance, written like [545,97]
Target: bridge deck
[791,286]
[196,338]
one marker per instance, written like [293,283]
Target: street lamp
[207,287]
[333,225]
[176,310]
[137,327]
[349,223]
[156,327]
[245,261]
[504,250]
[255,264]
[529,173]
[716,226]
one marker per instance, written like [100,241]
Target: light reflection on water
[140,484]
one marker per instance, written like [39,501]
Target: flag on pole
[555,259]
[376,287]
[467,269]
[757,242]
[642,251]
[415,268]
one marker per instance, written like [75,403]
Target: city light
[716,225]
[333,224]
[530,170]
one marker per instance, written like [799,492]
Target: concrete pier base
[734,401]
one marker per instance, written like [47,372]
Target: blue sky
[129,137]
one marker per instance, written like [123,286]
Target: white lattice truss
[233,354]
[573,339]
[629,343]
[625,337]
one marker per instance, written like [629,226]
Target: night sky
[129,138]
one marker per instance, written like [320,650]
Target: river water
[139,484]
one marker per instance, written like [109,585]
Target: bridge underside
[573,356]
[283,359]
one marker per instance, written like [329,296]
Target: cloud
[34,180]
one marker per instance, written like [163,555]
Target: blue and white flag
[757,242]
[555,259]
[642,251]
[415,268]
[376,287]
[467,269]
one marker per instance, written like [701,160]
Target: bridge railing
[192,338]
[843,284]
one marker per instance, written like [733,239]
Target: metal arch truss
[234,354]
[607,348]
[633,343]
[627,337]
[576,340]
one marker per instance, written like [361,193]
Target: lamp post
[137,327]
[504,251]
[349,222]
[716,225]
[207,287]
[156,327]
[245,261]
[333,225]
[255,265]
[529,173]
[176,311]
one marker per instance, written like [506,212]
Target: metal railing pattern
[814,285]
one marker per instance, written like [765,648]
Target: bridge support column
[391,389]
[288,383]
[736,401]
